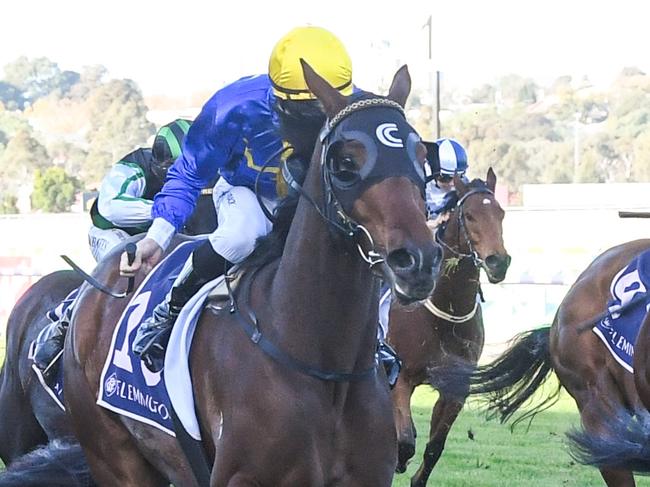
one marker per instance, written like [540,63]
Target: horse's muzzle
[496,266]
[414,271]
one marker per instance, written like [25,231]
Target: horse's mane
[271,246]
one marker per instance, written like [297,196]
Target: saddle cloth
[127,387]
[620,328]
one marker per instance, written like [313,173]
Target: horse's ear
[333,102]
[491,179]
[401,86]
[459,185]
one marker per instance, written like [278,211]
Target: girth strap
[194,452]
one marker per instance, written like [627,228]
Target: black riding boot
[391,362]
[153,334]
[52,342]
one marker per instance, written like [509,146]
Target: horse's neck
[458,285]
[324,298]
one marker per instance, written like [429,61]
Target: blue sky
[190,45]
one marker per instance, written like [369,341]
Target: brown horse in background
[604,391]
[28,415]
[263,422]
[447,332]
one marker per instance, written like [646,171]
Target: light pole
[434,88]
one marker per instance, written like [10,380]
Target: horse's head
[372,172]
[480,225]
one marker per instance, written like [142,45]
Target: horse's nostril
[401,259]
[492,261]
[497,262]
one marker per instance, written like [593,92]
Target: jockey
[446,157]
[122,209]
[237,133]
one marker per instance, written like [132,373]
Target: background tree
[8,204]
[11,97]
[69,156]
[22,156]
[517,89]
[118,125]
[91,78]
[483,94]
[54,190]
[36,77]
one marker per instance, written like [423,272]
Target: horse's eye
[469,217]
[346,163]
[345,169]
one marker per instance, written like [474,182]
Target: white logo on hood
[384,133]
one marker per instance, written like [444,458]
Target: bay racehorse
[264,423]
[446,332]
[604,391]
[28,415]
[626,444]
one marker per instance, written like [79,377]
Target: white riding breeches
[103,241]
[384,311]
[241,221]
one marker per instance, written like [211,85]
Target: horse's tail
[58,464]
[625,445]
[513,378]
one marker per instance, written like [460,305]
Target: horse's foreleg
[444,414]
[403,423]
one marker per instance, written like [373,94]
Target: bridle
[473,255]
[462,230]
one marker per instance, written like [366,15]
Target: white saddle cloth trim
[177,366]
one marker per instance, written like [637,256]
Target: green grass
[497,457]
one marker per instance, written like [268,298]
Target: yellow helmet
[322,50]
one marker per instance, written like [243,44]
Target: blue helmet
[452,158]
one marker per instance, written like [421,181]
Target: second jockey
[123,206]
[447,158]
[122,209]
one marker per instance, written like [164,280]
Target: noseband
[462,229]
